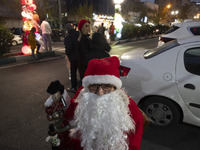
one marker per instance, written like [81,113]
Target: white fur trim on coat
[99,79]
[65,95]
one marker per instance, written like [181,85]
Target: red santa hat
[81,23]
[103,70]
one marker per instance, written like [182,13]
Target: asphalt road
[23,121]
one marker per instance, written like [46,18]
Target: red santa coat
[134,139]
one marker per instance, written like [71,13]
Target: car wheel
[14,43]
[161,111]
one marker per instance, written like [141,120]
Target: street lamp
[169,6]
[165,13]
[174,13]
[197,16]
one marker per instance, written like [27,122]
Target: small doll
[53,138]
[56,105]
[58,102]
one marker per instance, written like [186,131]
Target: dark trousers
[81,67]
[33,50]
[112,37]
[47,41]
[73,68]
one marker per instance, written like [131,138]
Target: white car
[179,31]
[16,40]
[165,81]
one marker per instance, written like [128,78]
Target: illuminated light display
[27,25]
[118,18]
[98,19]
[30,19]
[26,50]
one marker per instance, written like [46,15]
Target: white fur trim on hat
[99,79]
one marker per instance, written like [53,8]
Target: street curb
[135,39]
[28,58]
[4,61]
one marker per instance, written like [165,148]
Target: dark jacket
[84,45]
[99,48]
[71,45]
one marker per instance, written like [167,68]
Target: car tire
[162,111]
[14,43]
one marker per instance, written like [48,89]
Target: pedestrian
[104,115]
[71,51]
[99,48]
[112,32]
[102,29]
[83,43]
[46,34]
[32,42]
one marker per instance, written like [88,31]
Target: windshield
[155,51]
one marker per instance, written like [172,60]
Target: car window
[16,31]
[195,30]
[155,51]
[171,29]
[192,60]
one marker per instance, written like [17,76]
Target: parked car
[17,35]
[16,40]
[58,35]
[179,31]
[165,81]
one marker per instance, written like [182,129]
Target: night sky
[104,6]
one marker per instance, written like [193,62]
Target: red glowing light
[23,2]
[26,50]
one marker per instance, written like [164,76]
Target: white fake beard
[104,121]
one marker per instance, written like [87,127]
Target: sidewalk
[15,55]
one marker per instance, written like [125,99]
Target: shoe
[73,90]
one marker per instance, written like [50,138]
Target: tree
[184,11]
[165,15]
[85,11]
[43,7]
[5,40]
[130,6]
[155,16]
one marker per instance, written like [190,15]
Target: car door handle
[189,86]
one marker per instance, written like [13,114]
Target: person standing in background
[46,34]
[99,48]
[112,32]
[101,29]
[84,44]
[32,42]
[71,50]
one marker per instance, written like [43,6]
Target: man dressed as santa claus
[103,116]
